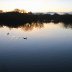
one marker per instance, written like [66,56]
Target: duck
[25,38]
[7,33]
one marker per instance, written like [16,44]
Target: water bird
[7,33]
[25,38]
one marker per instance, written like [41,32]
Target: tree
[1,11]
[30,12]
[23,11]
[16,10]
[20,10]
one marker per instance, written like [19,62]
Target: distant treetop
[1,11]
[20,10]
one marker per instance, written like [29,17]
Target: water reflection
[18,32]
[31,26]
[40,47]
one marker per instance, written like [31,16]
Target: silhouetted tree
[16,10]
[20,10]
[1,11]
[23,11]
[30,12]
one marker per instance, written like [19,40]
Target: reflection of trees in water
[31,26]
[1,26]
[67,25]
[27,27]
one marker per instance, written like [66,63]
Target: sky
[37,5]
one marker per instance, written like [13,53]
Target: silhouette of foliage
[1,11]
[20,10]
[16,19]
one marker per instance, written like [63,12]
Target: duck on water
[25,38]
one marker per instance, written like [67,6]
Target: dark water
[36,48]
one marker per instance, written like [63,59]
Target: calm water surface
[43,47]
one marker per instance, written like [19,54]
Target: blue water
[48,48]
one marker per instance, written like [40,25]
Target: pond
[36,47]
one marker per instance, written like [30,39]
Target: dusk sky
[37,5]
